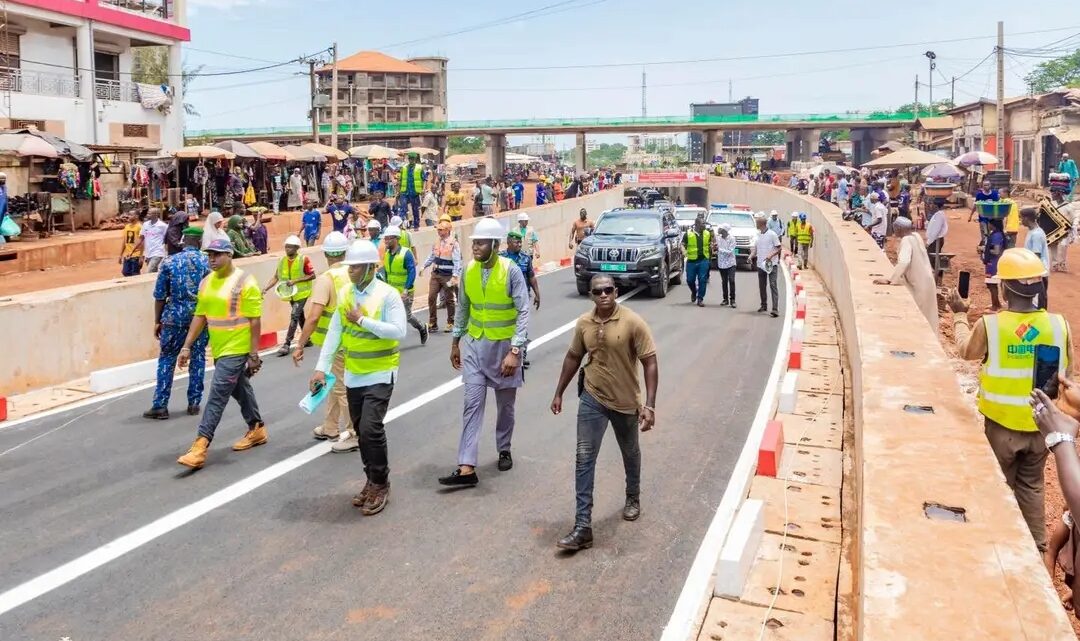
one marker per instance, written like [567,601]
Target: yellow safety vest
[1006,377]
[692,250]
[366,353]
[294,271]
[404,240]
[492,312]
[219,300]
[339,279]
[791,227]
[418,179]
[396,277]
[804,233]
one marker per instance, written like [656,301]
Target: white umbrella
[374,152]
[976,158]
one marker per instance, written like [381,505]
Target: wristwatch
[515,350]
[1057,438]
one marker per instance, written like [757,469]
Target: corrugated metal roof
[937,123]
[376,62]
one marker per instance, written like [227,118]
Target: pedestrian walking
[1035,242]
[311,224]
[766,253]
[324,302]
[229,306]
[445,260]
[793,233]
[530,240]
[609,392]
[295,273]
[176,293]
[700,248]
[580,228]
[804,234]
[379,209]
[726,263]
[515,251]
[490,331]
[151,242]
[454,202]
[399,266]
[411,186]
[913,270]
[130,251]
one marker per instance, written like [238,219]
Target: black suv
[635,247]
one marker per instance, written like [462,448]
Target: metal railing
[117,90]
[160,9]
[39,83]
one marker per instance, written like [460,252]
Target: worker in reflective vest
[406,238]
[230,305]
[367,327]
[793,239]
[1005,343]
[804,233]
[445,259]
[399,267]
[295,273]
[411,185]
[700,248]
[324,302]
[490,331]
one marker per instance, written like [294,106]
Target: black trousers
[727,281]
[367,408]
[762,278]
[1044,297]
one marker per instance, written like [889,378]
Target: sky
[773,52]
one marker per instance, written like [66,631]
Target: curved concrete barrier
[914,577]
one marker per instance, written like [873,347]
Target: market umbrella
[299,153]
[906,157]
[423,151]
[199,152]
[943,171]
[975,158]
[26,145]
[326,150]
[374,152]
[240,149]
[833,169]
[269,151]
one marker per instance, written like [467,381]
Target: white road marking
[116,548]
[694,598]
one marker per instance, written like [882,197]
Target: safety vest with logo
[418,179]
[396,276]
[219,300]
[294,271]
[693,252]
[339,279]
[805,233]
[492,312]
[366,353]
[444,255]
[1005,378]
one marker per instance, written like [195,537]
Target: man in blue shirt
[311,224]
[339,211]
[525,263]
[175,295]
[1035,240]
[519,192]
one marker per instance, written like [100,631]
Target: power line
[181,75]
[257,83]
[226,55]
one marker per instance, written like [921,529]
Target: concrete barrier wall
[916,578]
[63,334]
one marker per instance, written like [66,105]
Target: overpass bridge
[868,130]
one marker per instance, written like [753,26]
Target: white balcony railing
[117,90]
[39,83]
[160,9]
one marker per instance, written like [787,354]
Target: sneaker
[448,329]
[762,309]
[423,340]
[350,444]
[361,498]
[580,538]
[459,479]
[505,461]
[321,434]
[724,303]
[284,351]
[632,509]
[432,327]
[196,455]
[193,410]
[255,436]
[377,497]
[157,414]
[732,303]
[774,313]
[701,303]
[693,298]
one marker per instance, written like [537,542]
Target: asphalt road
[292,559]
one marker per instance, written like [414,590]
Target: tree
[465,145]
[606,155]
[774,138]
[152,68]
[940,107]
[1059,72]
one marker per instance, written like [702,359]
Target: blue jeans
[410,200]
[230,379]
[697,277]
[592,422]
[131,267]
[172,339]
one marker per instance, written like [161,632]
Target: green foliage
[774,138]
[606,155]
[940,107]
[1059,72]
[465,145]
[152,68]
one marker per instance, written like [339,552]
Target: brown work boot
[321,434]
[196,456]
[361,498]
[255,436]
[376,499]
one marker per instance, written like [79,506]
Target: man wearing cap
[515,252]
[726,263]
[490,331]
[1005,343]
[776,224]
[406,239]
[296,273]
[530,240]
[230,306]
[913,269]
[399,267]
[410,186]
[324,296]
[176,292]
[700,248]
[445,276]
[1068,166]
[793,237]
[1035,242]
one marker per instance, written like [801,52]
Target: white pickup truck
[743,229]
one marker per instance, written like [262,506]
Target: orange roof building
[374,87]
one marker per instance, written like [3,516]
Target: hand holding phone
[963,284]
[1045,374]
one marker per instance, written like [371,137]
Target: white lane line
[116,548]
[694,598]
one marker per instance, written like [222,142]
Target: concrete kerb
[740,548]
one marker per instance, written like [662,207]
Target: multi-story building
[374,87]
[67,67]
[745,107]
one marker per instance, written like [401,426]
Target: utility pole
[314,108]
[916,94]
[644,110]
[952,93]
[730,92]
[999,148]
[333,102]
[931,56]
[352,102]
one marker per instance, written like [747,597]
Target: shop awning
[269,151]
[326,150]
[240,149]
[1067,134]
[907,157]
[299,153]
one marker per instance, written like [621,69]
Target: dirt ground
[1064,294]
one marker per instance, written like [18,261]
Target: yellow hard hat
[1019,263]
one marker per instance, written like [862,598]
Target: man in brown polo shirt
[616,340]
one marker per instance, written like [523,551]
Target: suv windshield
[630,224]
[735,219]
[688,213]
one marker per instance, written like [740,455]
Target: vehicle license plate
[612,267]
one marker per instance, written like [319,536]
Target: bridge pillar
[496,155]
[802,144]
[711,144]
[580,163]
[865,140]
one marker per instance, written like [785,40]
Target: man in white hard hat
[530,241]
[490,331]
[405,240]
[399,267]
[324,296]
[367,326]
[296,272]
[374,231]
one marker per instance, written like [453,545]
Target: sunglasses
[601,291]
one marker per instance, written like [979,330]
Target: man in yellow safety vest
[410,187]
[804,235]
[295,272]
[490,332]
[793,239]
[399,267]
[230,305]
[324,295]
[366,327]
[700,248]
[1006,342]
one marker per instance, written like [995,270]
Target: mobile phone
[964,284]
[317,389]
[1045,376]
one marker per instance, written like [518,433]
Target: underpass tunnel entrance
[687,195]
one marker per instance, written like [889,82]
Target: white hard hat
[293,240]
[395,221]
[488,229]
[725,227]
[393,231]
[522,217]
[361,252]
[374,224]
[335,243]
[794,214]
